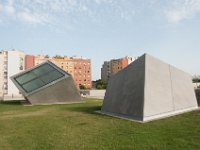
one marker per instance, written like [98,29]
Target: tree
[82,87]
[196,79]
[57,56]
[100,84]
[46,56]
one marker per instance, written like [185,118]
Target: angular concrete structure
[197,91]
[47,84]
[149,89]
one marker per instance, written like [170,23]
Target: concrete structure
[47,84]
[79,68]
[197,91]
[12,62]
[29,61]
[97,94]
[149,89]
[111,67]
[196,85]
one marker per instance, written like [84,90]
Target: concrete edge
[149,119]
[61,103]
[119,116]
[169,114]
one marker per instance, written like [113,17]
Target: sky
[104,29]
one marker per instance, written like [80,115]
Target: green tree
[196,79]
[57,56]
[82,87]
[100,84]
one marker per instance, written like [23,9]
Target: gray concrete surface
[125,91]
[197,91]
[63,91]
[97,94]
[149,89]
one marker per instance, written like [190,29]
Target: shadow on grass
[10,103]
[86,109]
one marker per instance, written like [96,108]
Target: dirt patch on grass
[18,114]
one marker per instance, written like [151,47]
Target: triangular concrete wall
[149,89]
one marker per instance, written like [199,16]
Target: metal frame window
[38,77]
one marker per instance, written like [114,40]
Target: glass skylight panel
[38,77]
[26,77]
[54,75]
[33,85]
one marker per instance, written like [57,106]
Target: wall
[97,94]
[29,61]
[197,91]
[1,74]
[17,58]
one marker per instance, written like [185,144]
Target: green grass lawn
[77,126]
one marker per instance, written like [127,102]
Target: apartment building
[78,67]
[82,72]
[3,58]
[111,67]
[106,71]
[40,59]
[29,61]
[11,62]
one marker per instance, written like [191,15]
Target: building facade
[111,67]
[12,62]
[29,61]
[106,71]
[3,70]
[40,59]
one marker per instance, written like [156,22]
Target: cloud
[9,9]
[48,11]
[182,10]
[32,18]
[1,7]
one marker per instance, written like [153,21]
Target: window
[38,77]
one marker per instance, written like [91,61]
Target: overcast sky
[105,29]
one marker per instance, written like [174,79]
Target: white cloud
[9,10]
[51,11]
[182,10]
[32,18]
[1,7]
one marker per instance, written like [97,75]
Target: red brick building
[79,68]
[29,61]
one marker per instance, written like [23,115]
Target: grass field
[77,126]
